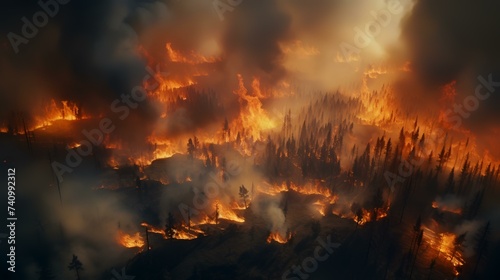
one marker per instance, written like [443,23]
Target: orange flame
[228,214]
[179,233]
[277,237]
[192,58]
[444,244]
[253,118]
[445,208]
[130,241]
[55,111]
[367,216]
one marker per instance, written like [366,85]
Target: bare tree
[170,226]
[244,194]
[76,265]
[481,244]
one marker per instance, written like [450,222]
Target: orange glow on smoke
[298,48]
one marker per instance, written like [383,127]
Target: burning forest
[263,139]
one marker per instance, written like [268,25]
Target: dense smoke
[453,41]
[88,52]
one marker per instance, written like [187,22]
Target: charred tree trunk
[419,242]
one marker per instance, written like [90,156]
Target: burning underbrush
[446,246]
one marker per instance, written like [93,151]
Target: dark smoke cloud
[87,51]
[446,38]
[252,39]
[454,41]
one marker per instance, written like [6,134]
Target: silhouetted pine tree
[76,265]
[480,247]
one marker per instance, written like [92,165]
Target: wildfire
[368,215]
[206,220]
[320,205]
[278,237]
[374,72]
[253,118]
[74,145]
[55,111]
[444,243]
[237,206]
[377,105]
[306,189]
[309,189]
[130,241]
[341,58]
[179,233]
[228,214]
[191,58]
[170,84]
[163,148]
[273,189]
[445,208]
[299,49]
